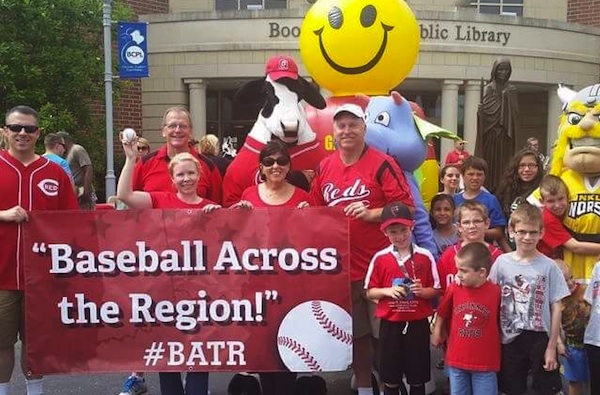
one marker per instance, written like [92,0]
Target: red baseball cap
[281,66]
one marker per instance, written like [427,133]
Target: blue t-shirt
[62,162]
[492,204]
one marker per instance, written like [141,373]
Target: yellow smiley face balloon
[359,46]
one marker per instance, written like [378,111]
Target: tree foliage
[51,58]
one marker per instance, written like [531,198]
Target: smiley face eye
[573,118]
[336,18]
[368,16]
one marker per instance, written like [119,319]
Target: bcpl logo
[135,55]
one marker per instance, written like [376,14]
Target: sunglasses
[140,149]
[15,128]
[281,161]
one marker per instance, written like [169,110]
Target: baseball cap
[396,213]
[281,66]
[353,109]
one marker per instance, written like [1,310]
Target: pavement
[110,384]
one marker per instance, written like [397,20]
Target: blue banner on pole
[133,50]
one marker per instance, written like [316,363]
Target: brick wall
[586,12]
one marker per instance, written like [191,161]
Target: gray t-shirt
[528,290]
[78,158]
[592,331]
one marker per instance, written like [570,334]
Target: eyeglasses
[174,126]
[475,222]
[281,161]
[15,128]
[141,149]
[528,166]
[523,233]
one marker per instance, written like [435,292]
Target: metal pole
[108,92]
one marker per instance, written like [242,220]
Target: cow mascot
[576,160]
[281,117]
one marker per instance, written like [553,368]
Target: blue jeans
[467,382]
[196,383]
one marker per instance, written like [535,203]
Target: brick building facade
[586,12]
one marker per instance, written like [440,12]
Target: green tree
[51,58]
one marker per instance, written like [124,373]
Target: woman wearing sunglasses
[274,191]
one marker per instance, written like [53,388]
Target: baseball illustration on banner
[316,336]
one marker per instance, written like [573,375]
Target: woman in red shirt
[275,191]
[185,174]
[184,169]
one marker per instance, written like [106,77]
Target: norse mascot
[576,160]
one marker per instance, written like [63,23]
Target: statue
[497,122]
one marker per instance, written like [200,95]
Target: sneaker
[134,386]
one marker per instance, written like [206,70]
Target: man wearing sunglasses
[29,182]
[82,170]
[361,180]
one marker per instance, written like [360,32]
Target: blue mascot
[393,129]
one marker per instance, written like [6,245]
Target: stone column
[449,113]
[472,92]
[554,111]
[197,88]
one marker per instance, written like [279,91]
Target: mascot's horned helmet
[589,96]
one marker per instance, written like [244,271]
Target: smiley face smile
[359,69]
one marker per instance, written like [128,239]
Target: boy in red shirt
[468,318]
[403,279]
[554,195]
[473,221]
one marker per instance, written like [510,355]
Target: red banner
[182,290]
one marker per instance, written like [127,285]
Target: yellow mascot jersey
[582,220]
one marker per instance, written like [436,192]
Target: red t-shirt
[170,200]
[42,185]
[384,269]
[456,157]
[447,265]
[251,195]
[376,180]
[555,235]
[473,327]
[151,174]
[243,172]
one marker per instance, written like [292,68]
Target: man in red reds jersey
[29,182]
[361,180]
[152,173]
